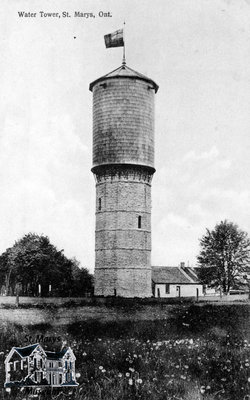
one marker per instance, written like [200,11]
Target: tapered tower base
[123,231]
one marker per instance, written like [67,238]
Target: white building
[34,366]
[175,282]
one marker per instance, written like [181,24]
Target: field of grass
[198,352]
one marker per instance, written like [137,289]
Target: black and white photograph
[125,200]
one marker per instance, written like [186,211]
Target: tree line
[33,267]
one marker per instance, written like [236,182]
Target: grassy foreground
[199,352]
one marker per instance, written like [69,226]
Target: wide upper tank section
[123,118]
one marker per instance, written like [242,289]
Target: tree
[82,280]
[34,261]
[224,256]
[7,272]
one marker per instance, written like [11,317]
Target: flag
[114,39]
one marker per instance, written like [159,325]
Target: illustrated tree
[224,256]
[34,261]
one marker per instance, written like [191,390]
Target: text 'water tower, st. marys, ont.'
[123,166]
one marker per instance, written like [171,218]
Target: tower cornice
[116,167]
[128,172]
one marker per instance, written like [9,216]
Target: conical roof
[124,72]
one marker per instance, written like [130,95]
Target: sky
[197,51]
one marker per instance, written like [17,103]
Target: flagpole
[123,58]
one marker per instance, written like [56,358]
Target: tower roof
[124,72]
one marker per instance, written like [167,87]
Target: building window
[139,222]
[68,377]
[99,204]
[167,288]
[38,377]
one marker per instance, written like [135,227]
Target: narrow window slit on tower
[99,203]
[139,222]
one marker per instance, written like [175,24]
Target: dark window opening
[139,222]
[99,203]
[167,291]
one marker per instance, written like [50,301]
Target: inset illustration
[34,366]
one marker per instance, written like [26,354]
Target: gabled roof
[172,275]
[191,273]
[23,351]
[55,355]
[69,351]
[26,351]
[124,72]
[59,354]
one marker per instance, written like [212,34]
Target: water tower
[123,166]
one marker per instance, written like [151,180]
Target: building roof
[56,355]
[26,351]
[124,72]
[191,273]
[67,351]
[173,275]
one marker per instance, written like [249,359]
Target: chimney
[182,264]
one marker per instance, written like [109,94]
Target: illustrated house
[175,282]
[33,366]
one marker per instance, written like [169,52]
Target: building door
[158,292]
[178,291]
[197,293]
